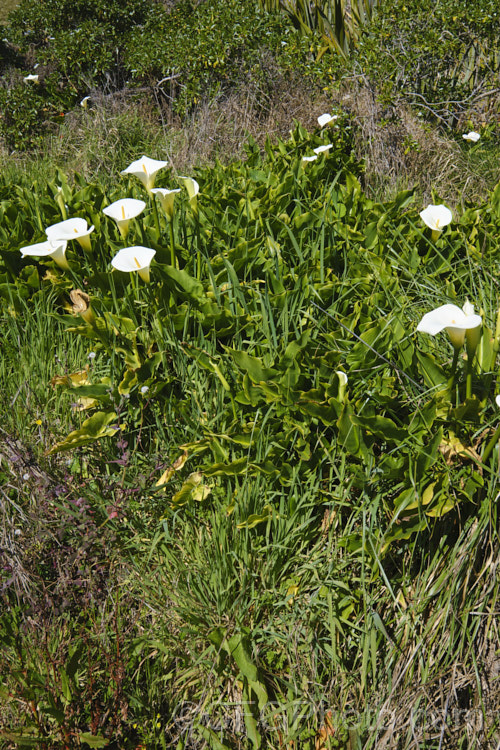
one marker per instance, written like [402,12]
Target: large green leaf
[94,428]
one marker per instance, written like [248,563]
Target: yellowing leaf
[170,471]
[201,493]
[83,404]
[192,489]
[95,427]
[452,447]
[255,518]
[81,377]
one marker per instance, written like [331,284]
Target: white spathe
[71,229]
[455,321]
[123,211]
[134,259]
[322,149]
[341,376]
[145,170]
[436,217]
[166,198]
[471,136]
[191,186]
[55,250]
[193,189]
[326,119]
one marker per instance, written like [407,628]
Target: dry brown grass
[5,7]
[219,129]
[401,151]
[114,128]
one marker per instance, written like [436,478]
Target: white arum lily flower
[326,119]
[60,202]
[307,159]
[84,102]
[193,189]
[71,229]
[342,384]
[472,136]
[132,259]
[459,324]
[145,170]
[436,217]
[55,250]
[497,400]
[123,211]
[32,77]
[322,149]
[166,198]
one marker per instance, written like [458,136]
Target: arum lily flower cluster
[71,229]
[462,326]
[323,149]
[55,249]
[343,380]
[166,198]
[193,189]
[317,151]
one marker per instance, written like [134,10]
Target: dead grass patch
[401,151]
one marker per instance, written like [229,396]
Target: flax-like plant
[336,24]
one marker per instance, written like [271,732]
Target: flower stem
[468,385]
[172,244]
[491,445]
[157,221]
[451,379]
[198,253]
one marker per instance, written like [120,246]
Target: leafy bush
[200,49]
[206,48]
[442,57]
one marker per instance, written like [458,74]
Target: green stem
[491,445]
[157,220]
[496,346]
[451,379]
[198,255]
[468,386]
[172,245]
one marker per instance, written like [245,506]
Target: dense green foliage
[185,54]
[443,57]
[244,502]
[265,503]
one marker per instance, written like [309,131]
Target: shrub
[442,57]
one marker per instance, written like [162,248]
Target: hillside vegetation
[250,419]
